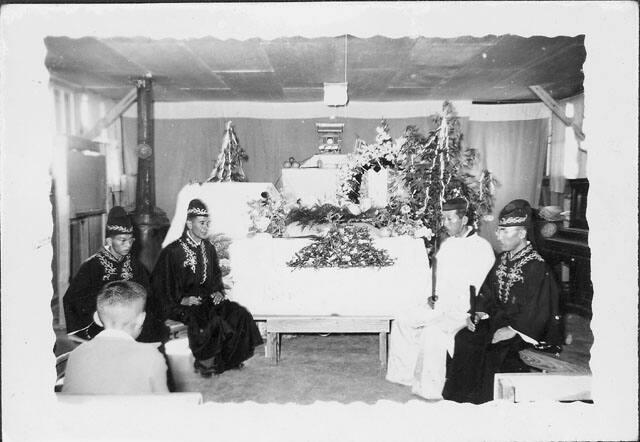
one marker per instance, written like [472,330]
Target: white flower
[365,204]
[488,218]
[423,232]
[405,209]
[262,223]
[353,209]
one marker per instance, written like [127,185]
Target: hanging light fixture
[335,94]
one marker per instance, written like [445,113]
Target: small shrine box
[330,137]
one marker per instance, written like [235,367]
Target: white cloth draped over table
[267,286]
[421,336]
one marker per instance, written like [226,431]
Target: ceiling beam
[112,114]
[556,109]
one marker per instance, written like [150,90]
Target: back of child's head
[120,303]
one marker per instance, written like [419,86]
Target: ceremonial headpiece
[197,208]
[516,213]
[456,204]
[118,222]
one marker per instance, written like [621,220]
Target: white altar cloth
[311,185]
[227,204]
[267,286]
[329,160]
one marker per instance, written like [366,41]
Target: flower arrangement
[397,219]
[344,246]
[327,213]
[221,244]
[427,170]
[384,153]
[268,215]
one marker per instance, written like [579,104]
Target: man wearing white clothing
[422,336]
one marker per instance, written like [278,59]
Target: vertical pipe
[151,223]
[145,189]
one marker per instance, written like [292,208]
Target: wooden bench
[556,380]
[176,328]
[277,325]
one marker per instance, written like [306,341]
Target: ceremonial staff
[434,269]
[472,302]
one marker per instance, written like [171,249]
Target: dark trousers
[475,362]
[223,334]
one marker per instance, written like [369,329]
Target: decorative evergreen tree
[229,163]
[436,168]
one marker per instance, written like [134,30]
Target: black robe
[520,292]
[227,331]
[80,299]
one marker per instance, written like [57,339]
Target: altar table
[327,300]
[267,286]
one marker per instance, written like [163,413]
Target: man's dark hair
[121,293]
[461,213]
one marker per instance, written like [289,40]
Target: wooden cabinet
[568,250]
[568,253]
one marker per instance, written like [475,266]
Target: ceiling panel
[168,59]
[87,55]
[448,53]
[369,83]
[188,94]
[230,55]
[253,85]
[302,62]
[378,52]
[298,94]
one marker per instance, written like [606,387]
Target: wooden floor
[578,340]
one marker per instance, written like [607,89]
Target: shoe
[240,366]
[218,367]
[205,372]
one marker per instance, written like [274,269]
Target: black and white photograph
[319,221]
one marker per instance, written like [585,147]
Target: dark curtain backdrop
[186,150]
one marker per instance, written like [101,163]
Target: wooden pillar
[151,223]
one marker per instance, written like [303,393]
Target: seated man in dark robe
[187,278]
[112,263]
[517,307]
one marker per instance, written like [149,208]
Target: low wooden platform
[532,387]
[554,380]
[277,325]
